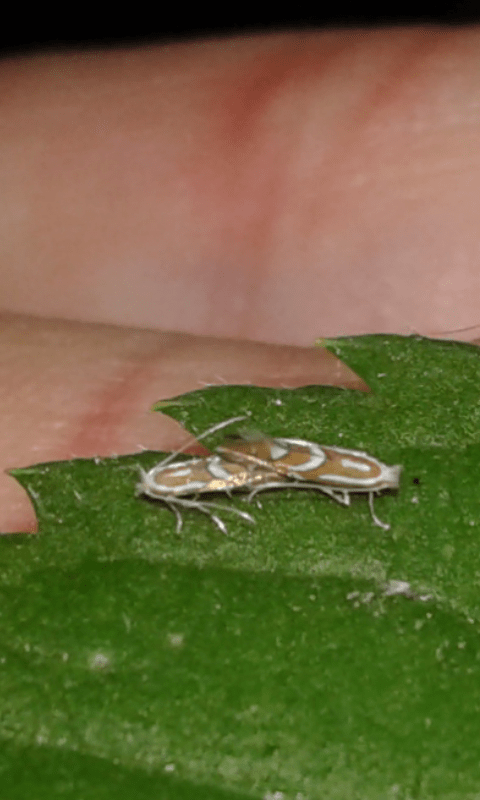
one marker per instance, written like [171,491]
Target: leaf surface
[311,655]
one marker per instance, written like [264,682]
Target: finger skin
[273,188]
[72,390]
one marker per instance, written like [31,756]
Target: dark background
[28,29]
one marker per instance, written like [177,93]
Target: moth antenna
[218,427]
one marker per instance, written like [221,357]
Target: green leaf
[310,654]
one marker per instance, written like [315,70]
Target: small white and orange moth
[299,464]
[256,463]
[173,483]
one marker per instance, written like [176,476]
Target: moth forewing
[174,482]
[335,471]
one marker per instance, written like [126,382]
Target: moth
[181,484]
[337,472]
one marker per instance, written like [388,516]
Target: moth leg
[140,487]
[343,497]
[243,514]
[173,504]
[175,510]
[205,508]
[340,496]
[266,486]
[376,520]
[219,523]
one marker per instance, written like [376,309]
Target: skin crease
[261,189]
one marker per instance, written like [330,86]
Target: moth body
[335,471]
